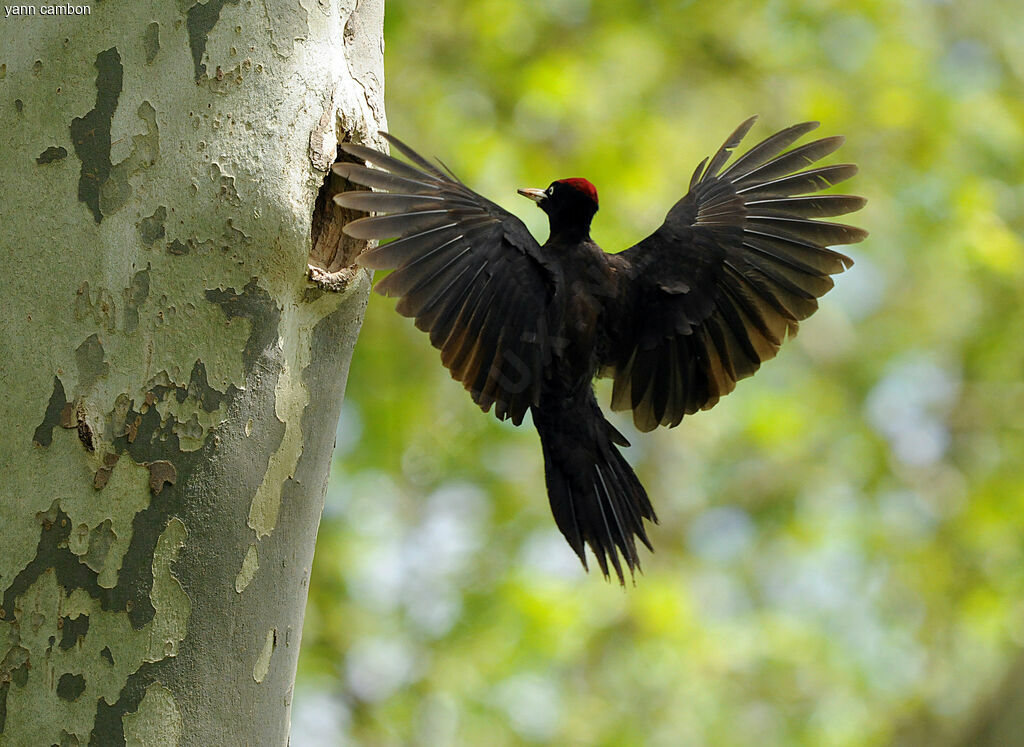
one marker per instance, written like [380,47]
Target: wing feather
[737,264]
[468,272]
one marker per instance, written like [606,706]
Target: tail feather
[595,497]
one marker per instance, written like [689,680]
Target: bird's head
[569,203]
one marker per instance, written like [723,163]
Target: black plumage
[675,320]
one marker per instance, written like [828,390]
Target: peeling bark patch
[160,473]
[262,665]
[323,140]
[15,661]
[167,593]
[250,565]
[102,476]
[68,416]
[73,417]
[90,362]
[199,390]
[189,432]
[199,22]
[134,296]
[235,235]
[70,686]
[151,41]
[15,666]
[152,228]
[261,355]
[132,429]
[255,304]
[190,411]
[108,725]
[117,189]
[73,630]
[85,433]
[329,282]
[177,248]
[226,189]
[116,417]
[52,417]
[91,134]
[167,631]
[52,552]
[51,154]
[107,656]
[102,309]
[20,675]
[146,439]
[287,24]
[101,539]
[210,246]
[157,720]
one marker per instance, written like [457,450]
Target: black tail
[595,496]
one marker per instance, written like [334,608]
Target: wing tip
[352,149]
[340,199]
[360,228]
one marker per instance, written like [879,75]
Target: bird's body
[675,320]
[581,310]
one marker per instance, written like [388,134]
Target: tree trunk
[171,378]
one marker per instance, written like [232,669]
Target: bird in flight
[675,320]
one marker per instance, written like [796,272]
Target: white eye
[550,191]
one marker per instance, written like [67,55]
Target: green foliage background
[840,557]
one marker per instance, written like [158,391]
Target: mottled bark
[170,377]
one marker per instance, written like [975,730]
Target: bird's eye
[550,191]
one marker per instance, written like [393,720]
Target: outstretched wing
[737,264]
[466,270]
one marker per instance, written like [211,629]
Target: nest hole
[332,251]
